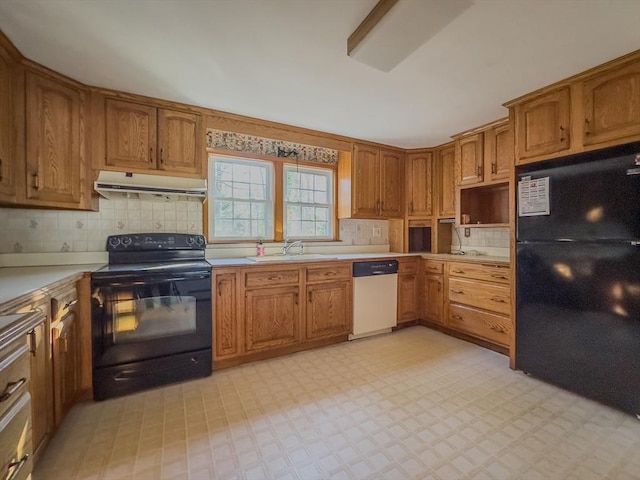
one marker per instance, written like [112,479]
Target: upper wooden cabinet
[7,162]
[469,159]
[143,137]
[55,170]
[420,184]
[595,109]
[376,179]
[498,151]
[446,178]
[611,103]
[542,124]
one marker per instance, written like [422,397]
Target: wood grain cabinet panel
[480,271]
[433,298]
[420,184]
[408,298]
[392,186]
[486,325]
[64,340]
[487,296]
[543,124]
[226,332]
[272,317]
[611,102]
[178,134]
[130,135]
[469,159]
[40,386]
[498,152]
[328,311]
[366,185]
[446,169]
[7,162]
[328,273]
[55,147]
[16,460]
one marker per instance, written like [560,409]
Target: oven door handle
[130,280]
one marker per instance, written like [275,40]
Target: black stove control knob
[200,240]
[114,241]
[190,240]
[126,241]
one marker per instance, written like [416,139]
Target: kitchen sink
[305,257]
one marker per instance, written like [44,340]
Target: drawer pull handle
[433,268]
[457,291]
[498,300]
[501,277]
[12,387]
[70,304]
[457,271]
[496,328]
[274,277]
[331,274]
[17,466]
[456,317]
[33,344]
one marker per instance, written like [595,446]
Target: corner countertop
[243,261]
[450,257]
[16,282]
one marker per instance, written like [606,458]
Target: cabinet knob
[494,168]
[562,136]
[456,317]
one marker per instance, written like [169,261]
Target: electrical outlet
[377,231]
[467,232]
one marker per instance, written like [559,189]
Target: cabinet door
[178,134]
[612,105]
[420,184]
[65,366]
[40,386]
[55,155]
[469,162]
[408,304]
[7,171]
[272,318]
[131,135]
[433,298]
[392,184]
[226,333]
[498,153]
[328,310]
[366,182]
[542,124]
[447,203]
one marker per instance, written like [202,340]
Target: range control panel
[154,242]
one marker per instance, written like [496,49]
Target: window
[269,200]
[308,202]
[241,199]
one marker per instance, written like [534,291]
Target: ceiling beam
[370,21]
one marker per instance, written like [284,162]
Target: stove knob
[199,240]
[114,241]
[126,241]
[190,240]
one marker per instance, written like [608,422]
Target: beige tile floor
[412,404]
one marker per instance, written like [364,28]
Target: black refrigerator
[578,274]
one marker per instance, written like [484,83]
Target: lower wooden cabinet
[484,324]
[272,317]
[40,385]
[328,310]
[408,290]
[279,308]
[65,365]
[433,299]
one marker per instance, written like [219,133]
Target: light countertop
[466,258]
[16,282]
[243,261]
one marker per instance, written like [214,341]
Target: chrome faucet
[287,246]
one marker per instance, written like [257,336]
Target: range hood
[109,184]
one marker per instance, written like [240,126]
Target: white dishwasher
[375,297]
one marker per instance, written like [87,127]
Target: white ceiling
[285,60]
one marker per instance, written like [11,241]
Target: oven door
[140,316]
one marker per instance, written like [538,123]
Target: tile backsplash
[482,237]
[36,231]
[364,232]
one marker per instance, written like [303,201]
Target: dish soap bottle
[260,249]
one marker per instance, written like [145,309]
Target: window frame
[278,195]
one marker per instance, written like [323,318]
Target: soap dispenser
[260,249]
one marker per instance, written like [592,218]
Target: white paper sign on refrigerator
[533,197]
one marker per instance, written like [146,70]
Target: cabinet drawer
[407,266]
[267,278]
[431,267]
[63,303]
[15,447]
[14,373]
[489,326]
[488,296]
[480,271]
[330,272]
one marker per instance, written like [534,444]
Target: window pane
[320,197]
